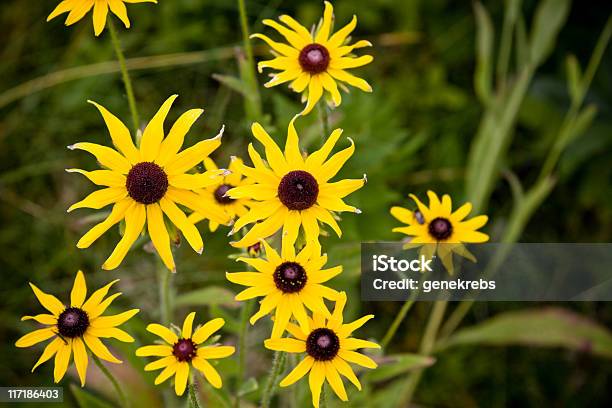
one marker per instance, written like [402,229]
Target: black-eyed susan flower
[76,327]
[290,191]
[77,9]
[440,229]
[315,62]
[180,351]
[215,195]
[329,349]
[287,283]
[147,183]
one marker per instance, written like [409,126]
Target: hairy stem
[125,74]
[120,394]
[242,334]
[277,365]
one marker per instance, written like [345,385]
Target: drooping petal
[330,85]
[334,380]
[49,352]
[99,349]
[211,375]
[64,7]
[79,11]
[166,373]
[350,79]
[315,381]
[345,369]
[159,235]
[181,377]
[360,359]
[116,215]
[298,372]
[119,9]
[62,358]
[315,91]
[135,219]
[99,16]
[80,358]
[178,218]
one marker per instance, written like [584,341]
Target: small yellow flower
[290,191]
[215,195]
[76,328]
[438,229]
[315,62]
[144,184]
[77,9]
[438,223]
[178,352]
[329,348]
[287,283]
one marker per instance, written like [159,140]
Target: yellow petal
[99,349]
[80,358]
[79,11]
[135,218]
[332,203]
[403,215]
[281,48]
[359,359]
[328,16]
[245,278]
[95,299]
[292,147]
[330,85]
[188,326]
[331,167]
[191,200]
[350,62]
[350,79]
[316,159]
[266,305]
[294,38]
[159,235]
[62,358]
[298,372]
[79,290]
[340,36]
[216,352]
[281,318]
[212,376]
[351,327]
[156,350]
[181,377]
[166,373]
[263,229]
[196,181]
[44,318]
[333,378]
[315,91]
[116,215]
[119,9]
[111,332]
[342,188]
[105,322]
[300,83]
[315,381]
[291,228]
[178,218]
[174,141]
[345,369]
[161,363]
[101,198]
[119,133]
[462,212]
[356,344]
[275,157]
[204,332]
[99,16]
[64,7]
[154,132]
[162,331]
[35,337]
[189,158]
[49,302]
[286,344]
[49,352]
[295,26]
[107,178]
[325,216]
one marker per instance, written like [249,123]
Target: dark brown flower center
[220,194]
[290,277]
[298,190]
[440,228]
[146,183]
[184,350]
[72,322]
[322,344]
[314,58]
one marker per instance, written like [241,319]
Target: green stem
[396,323]
[125,74]
[324,115]
[122,399]
[277,363]
[242,334]
[193,397]
[253,100]
[427,345]
[165,304]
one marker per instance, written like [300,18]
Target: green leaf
[394,365]
[87,400]
[210,295]
[549,18]
[574,77]
[231,82]
[248,387]
[548,327]
[484,53]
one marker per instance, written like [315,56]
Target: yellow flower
[287,283]
[178,352]
[438,223]
[438,229]
[215,194]
[76,327]
[77,9]
[329,348]
[315,62]
[144,184]
[292,191]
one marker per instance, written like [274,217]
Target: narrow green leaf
[210,295]
[235,84]
[549,18]
[574,77]
[394,365]
[484,53]
[87,400]
[248,387]
[548,327]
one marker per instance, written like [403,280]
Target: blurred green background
[412,134]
